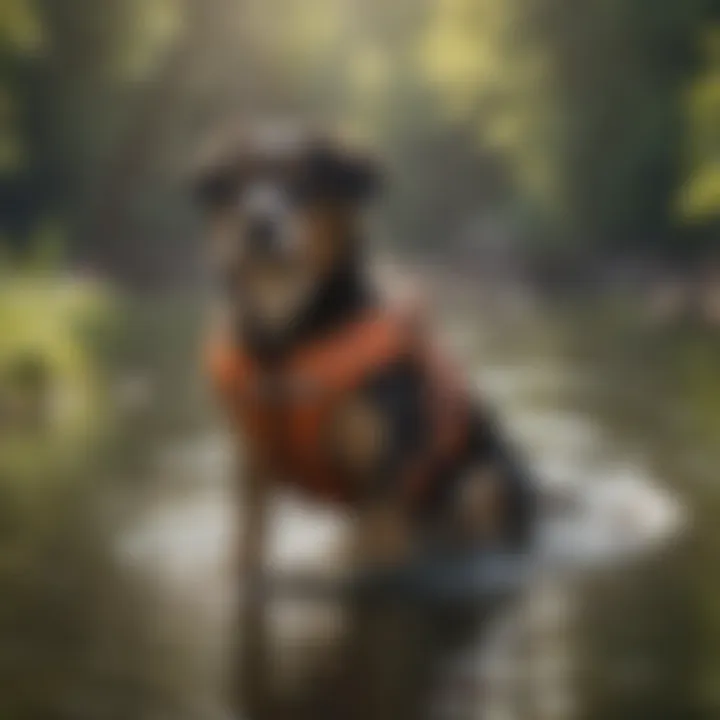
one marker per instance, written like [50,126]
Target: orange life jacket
[285,413]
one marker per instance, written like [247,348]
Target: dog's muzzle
[267,210]
[264,236]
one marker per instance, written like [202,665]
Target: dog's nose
[263,233]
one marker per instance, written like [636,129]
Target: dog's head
[282,205]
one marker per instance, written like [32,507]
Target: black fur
[341,298]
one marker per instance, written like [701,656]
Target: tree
[699,196]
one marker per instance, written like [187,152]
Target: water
[605,509]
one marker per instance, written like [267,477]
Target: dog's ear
[321,164]
[361,176]
[342,173]
[216,170]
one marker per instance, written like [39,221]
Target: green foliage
[20,28]
[581,99]
[490,68]
[49,358]
[699,197]
[20,37]
[592,121]
[70,76]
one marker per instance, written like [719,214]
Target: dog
[329,387]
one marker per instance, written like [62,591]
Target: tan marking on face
[275,294]
[274,290]
[325,231]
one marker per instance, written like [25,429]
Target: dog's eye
[339,176]
[303,192]
[217,191]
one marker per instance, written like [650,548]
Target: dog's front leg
[389,631]
[250,685]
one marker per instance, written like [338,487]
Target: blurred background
[554,175]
